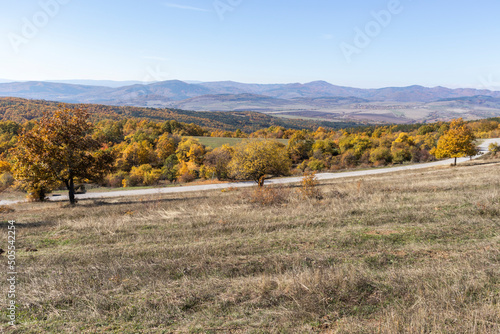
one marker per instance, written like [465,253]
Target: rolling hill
[21,110]
[316,100]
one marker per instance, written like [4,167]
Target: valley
[317,100]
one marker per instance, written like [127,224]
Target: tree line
[64,148]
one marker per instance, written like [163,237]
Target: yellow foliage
[258,160]
[309,187]
[4,167]
[140,153]
[405,138]
[190,149]
[145,174]
[188,168]
[165,147]
[457,142]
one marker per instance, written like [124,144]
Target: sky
[365,44]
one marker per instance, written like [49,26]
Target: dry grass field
[409,252]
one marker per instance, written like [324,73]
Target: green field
[215,142]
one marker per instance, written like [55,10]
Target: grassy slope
[414,252]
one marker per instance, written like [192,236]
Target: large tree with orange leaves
[60,149]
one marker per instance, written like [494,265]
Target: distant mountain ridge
[176,90]
[314,99]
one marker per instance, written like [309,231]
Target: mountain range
[318,99]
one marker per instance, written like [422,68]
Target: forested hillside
[148,152]
[20,110]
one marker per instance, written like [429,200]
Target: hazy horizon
[122,83]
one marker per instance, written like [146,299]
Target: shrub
[207,172]
[316,165]
[115,180]
[309,186]
[216,163]
[348,159]
[6,209]
[144,174]
[381,156]
[421,155]
[152,177]
[170,170]
[187,177]
[190,168]
[6,180]
[268,196]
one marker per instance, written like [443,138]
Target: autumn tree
[6,179]
[259,160]
[8,136]
[300,146]
[170,169]
[166,145]
[190,154]
[456,142]
[380,156]
[144,174]
[494,148]
[401,148]
[60,149]
[218,160]
[136,154]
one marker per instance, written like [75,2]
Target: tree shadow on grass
[4,224]
[99,203]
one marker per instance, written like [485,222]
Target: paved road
[321,176]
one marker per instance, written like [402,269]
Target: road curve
[483,147]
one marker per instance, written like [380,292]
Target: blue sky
[430,43]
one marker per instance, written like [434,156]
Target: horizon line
[145,83]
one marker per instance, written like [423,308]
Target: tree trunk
[455,161]
[261,181]
[70,185]
[72,199]
[41,195]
